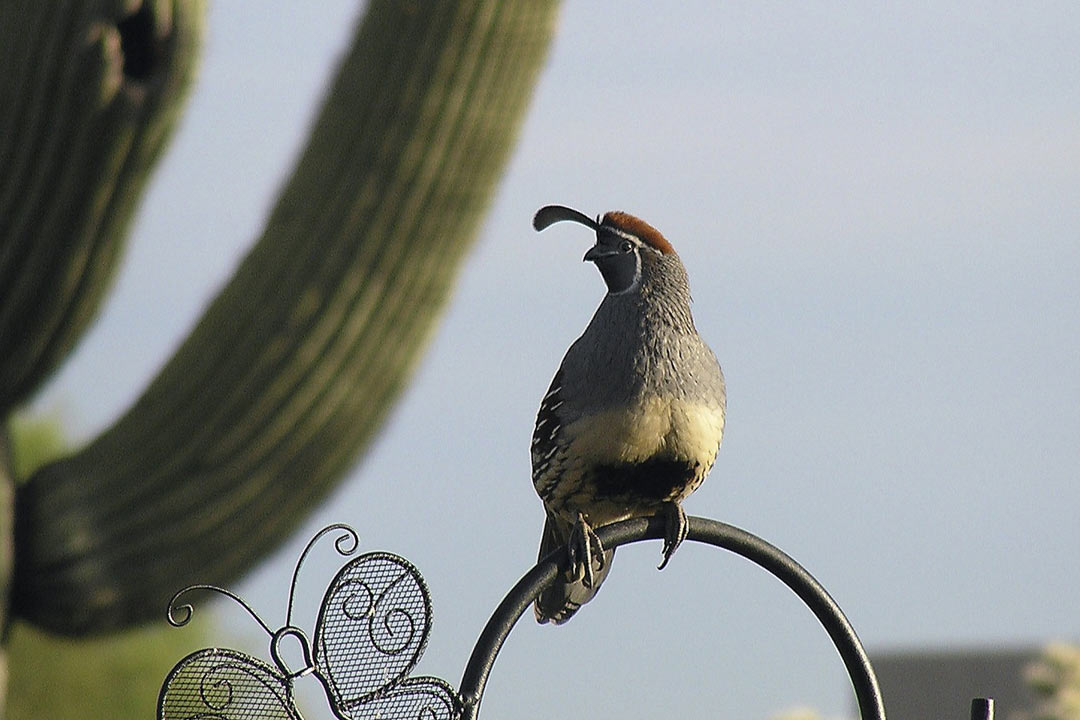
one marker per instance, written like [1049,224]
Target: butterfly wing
[415,698]
[372,628]
[225,685]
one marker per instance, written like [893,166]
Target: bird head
[625,246]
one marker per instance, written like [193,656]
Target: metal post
[517,601]
[982,709]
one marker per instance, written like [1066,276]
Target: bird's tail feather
[562,599]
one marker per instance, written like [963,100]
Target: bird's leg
[675,530]
[585,549]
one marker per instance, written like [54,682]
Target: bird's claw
[586,553]
[675,530]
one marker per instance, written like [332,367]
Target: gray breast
[621,357]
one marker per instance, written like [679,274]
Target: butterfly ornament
[371,630]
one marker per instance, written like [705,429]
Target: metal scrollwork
[225,684]
[373,626]
[372,629]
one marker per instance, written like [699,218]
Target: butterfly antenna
[180,615]
[345,544]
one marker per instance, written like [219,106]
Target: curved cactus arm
[7,497]
[7,493]
[293,366]
[89,94]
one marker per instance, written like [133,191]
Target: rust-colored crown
[639,229]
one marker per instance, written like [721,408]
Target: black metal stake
[753,548]
[982,709]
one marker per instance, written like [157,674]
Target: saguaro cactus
[89,93]
[290,370]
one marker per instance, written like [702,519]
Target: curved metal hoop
[703,530]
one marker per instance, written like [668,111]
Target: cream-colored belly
[655,427]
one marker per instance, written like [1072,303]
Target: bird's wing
[545,441]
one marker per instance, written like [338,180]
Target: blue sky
[878,208]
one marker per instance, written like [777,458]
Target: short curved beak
[597,253]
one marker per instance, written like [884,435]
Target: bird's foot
[586,553]
[675,531]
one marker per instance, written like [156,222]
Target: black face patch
[652,481]
[620,270]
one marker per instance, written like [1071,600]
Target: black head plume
[616,252]
[551,214]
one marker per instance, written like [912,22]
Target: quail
[633,419]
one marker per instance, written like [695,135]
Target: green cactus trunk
[295,363]
[7,496]
[89,94]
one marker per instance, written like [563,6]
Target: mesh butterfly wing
[225,685]
[372,629]
[415,698]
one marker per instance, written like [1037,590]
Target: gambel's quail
[633,420]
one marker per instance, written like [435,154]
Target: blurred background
[878,208]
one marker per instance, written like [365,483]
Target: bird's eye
[626,246]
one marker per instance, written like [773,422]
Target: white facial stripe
[638,243]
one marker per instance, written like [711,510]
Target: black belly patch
[649,481]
